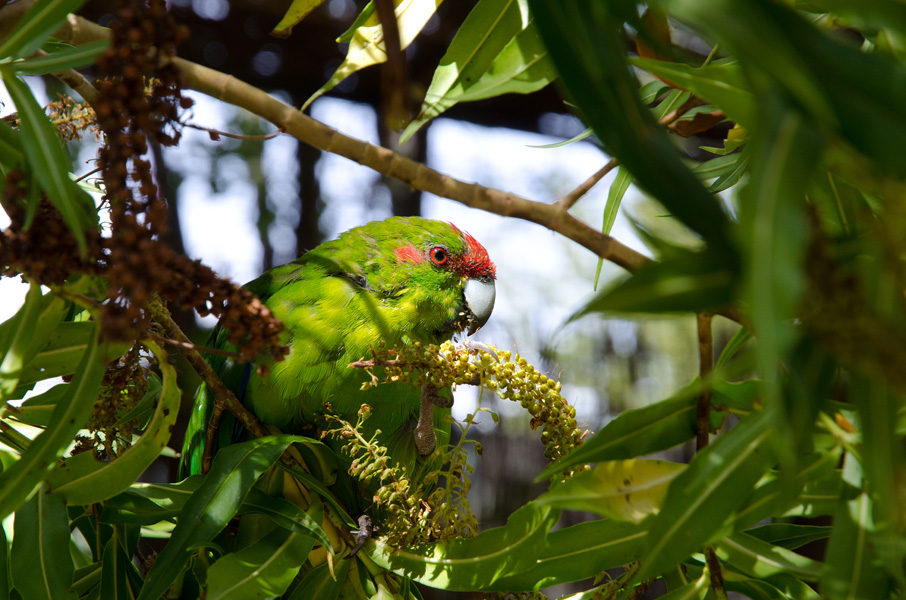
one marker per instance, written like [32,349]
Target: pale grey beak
[480,296]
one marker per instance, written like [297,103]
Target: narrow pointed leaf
[297,11]
[469,564]
[576,553]
[366,48]
[760,559]
[635,433]
[720,82]
[17,482]
[73,57]
[41,565]
[263,570]
[488,28]
[322,583]
[38,23]
[624,490]
[685,282]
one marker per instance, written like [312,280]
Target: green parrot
[393,281]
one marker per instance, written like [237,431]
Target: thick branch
[228,89]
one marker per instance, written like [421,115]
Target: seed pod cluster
[410,512]
[124,385]
[507,374]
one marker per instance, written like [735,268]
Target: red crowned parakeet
[393,281]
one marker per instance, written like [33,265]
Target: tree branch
[233,91]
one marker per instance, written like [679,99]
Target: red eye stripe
[409,254]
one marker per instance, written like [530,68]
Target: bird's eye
[438,256]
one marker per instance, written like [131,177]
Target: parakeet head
[439,277]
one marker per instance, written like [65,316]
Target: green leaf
[703,496]
[287,515]
[233,472]
[488,28]
[760,559]
[263,570]
[61,354]
[470,564]
[39,560]
[720,82]
[576,553]
[634,433]
[674,100]
[585,40]
[816,491]
[10,146]
[789,535]
[851,563]
[297,11]
[38,23]
[694,590]
[614,197]
[24,333]
[774,237]
[585,134]
[83,480]
[73,57]
[18,481]
[114,582]
[736,343]
[522,67]
[321,582]
[684,282]
[5,583]
[47,158]
[149,503]
[779,587]
[366,47]
[624,490]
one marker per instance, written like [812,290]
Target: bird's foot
[473,347]
[425,440]
[365,532]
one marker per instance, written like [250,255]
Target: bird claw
[473,347]
[364,533]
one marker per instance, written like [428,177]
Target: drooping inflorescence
[414,512]
[509,375]
[425,511]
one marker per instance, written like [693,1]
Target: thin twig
[89,174]
[714,570]
[222,394]
[706,365]
[571,198]
[215,133]
[191,346]
[207,454]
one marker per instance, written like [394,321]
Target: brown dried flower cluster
[45,249]
[138,265]
[125,384]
